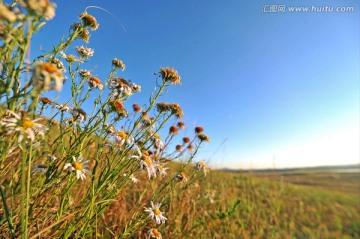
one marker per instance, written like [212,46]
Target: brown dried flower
[89,21]
[118,64]
[204,137]
[199,129]
[173,130]
[170,75]
[136,108]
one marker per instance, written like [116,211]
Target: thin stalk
[23,226]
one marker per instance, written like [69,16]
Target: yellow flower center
[51,68]
[157,211]
[78,165]
[122,134]
[147,160]
[27,124]
[159,166]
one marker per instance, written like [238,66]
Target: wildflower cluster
[65,160]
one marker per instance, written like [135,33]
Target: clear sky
[270,89]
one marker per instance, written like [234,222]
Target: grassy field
[277,209]
[230,205]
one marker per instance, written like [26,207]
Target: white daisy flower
[84,73]
[146,162]
[79,166]
[154,211]
[22,124]
[133,178]
[63,107]
[161,169]
[121,137]
[136,87]
[126,90]
[84,51]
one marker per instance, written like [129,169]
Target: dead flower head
[204,137]
[45,101]
[118,64]
[173,130]
[170,75]
[136,108]
[89,21]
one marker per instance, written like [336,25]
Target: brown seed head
[173,130]
[199,129]
[170,74]
[186,140]
[136,108]
[181,125]
[45,101]
[176,110]
[89,21]
[178,147]
[204,137]
[118,64]
[162,107]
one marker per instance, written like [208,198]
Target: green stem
[23,226]
[7,213]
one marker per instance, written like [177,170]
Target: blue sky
[269,88]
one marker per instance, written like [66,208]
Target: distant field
[340,181]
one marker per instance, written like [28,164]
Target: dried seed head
[190,147]
[89,21]
[162,107]
[186,140]
[181,125]
[170,75]
[199,129]
[176,110]
[118,64]
[178,147]
[204,137]
[136,108]
[45,101]
[173,130]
